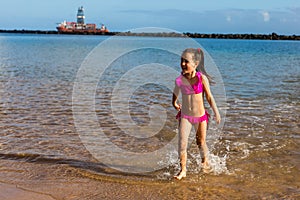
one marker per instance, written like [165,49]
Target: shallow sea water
[255,154]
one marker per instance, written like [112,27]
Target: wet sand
[9,191]
[29,181]
[77,189]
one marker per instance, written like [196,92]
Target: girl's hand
[177,106]
[218,118]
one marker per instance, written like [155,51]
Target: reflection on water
[259,145]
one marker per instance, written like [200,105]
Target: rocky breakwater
[272,36]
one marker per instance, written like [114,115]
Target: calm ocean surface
[256,152]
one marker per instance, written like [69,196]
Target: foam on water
[217,165]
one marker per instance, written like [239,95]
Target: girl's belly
[192,105]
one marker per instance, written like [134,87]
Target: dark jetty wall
[272,36]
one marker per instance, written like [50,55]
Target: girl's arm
[175,98]
[210,98]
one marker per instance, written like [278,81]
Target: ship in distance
[80,26]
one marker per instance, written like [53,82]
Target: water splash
[217,165]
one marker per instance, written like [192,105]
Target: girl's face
[188,65]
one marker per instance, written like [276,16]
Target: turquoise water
[257,144]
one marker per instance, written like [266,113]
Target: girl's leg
[184,132]
[201,142]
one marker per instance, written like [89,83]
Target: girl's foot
[181,175]
[206,168]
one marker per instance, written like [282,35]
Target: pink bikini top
[190,89]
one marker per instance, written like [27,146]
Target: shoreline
[27,180]
[272,36]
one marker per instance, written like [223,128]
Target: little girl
[193,83]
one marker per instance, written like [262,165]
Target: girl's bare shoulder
[204,79]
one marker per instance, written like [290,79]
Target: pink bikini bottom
[192,119]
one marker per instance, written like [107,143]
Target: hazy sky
[202,16]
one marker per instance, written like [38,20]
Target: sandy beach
[9,191]
[28,182]
[23,180]
[65,183]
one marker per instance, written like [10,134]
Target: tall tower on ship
[80,15]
